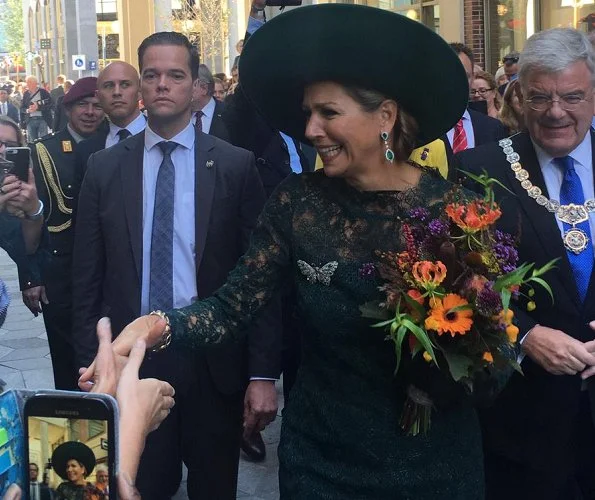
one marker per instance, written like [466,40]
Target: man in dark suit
[207,108]
[60,119]
[6,107]
[474,128]
[162,218]
[539,437]
[53,165]
[38,491]
[118,90]
[57,92]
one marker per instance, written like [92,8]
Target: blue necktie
[572,192]
[161,289]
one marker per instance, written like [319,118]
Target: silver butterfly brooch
[321,274]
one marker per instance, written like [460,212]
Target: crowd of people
[187,209]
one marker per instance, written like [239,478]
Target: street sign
[92,65]
[79,62]
[45,43]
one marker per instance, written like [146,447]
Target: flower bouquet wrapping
[447,294]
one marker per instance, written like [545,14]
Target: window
[107,10]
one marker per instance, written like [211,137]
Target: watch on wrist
[37,215]
[165,339]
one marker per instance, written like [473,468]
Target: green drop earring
[389,153]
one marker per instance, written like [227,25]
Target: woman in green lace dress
[360,85]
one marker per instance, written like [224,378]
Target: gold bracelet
[165,339]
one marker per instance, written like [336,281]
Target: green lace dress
[340,437]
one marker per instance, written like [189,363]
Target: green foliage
[12,33]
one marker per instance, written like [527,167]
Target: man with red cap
[54,168]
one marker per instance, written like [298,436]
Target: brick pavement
[25,363]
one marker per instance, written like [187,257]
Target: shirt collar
[184,138]
[466,115]
[134,127]
[582,154]
[77,137]
[209,109]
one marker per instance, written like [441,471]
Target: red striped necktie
[459,140]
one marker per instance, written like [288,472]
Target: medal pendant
[575,240]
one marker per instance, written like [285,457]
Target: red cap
[84,87]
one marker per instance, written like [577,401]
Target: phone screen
[68,455]
[70,450]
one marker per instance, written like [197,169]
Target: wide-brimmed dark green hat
[72,450]
[356,45]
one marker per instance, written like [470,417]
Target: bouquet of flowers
[448,294]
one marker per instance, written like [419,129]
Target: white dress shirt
[207,116]
[3,108]
[467,127]
[184,249]
[136,126]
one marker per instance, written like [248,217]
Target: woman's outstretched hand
[148,328]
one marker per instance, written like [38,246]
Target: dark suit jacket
[535,416]
[86,148]
[250,131]
[108,248]
[485,129]
[218,126]
[12,112]
[60,118]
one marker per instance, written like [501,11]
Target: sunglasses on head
[510,60]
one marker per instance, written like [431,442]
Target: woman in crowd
[74,462]
[340,437]
[483,88]
[511,114]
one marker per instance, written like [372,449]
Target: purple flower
[438,228]
[505,251]
[488,301]
[420,213]
[367,270]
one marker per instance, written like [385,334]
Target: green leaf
[458,365]
[546,267]
[422,336]
[373,311]
[505,295]
[413,304]
[399,345]
[545,285]
[462,307]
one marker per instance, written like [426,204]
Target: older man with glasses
[539,437]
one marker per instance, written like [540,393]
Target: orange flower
[512,332]
[429,274]
[443,319]
[474,216]
[487,356]
[417,296]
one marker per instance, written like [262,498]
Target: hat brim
[72,450]
[354,45]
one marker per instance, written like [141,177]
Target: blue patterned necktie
[571,191]
[161,289]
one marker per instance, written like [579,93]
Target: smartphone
[71,444]
[21,159]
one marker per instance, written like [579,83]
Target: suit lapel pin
[210,163]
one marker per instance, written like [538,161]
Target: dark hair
[33,463]
[205,76]
[461,48]
[405,129]
[221,76]
[170,38]
[9,122]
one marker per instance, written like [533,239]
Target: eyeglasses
[567,102]
[481,92]
[9,144]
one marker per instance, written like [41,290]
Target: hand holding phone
[21,160]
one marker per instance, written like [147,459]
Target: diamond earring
[389,153]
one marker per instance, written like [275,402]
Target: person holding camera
[36,109]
